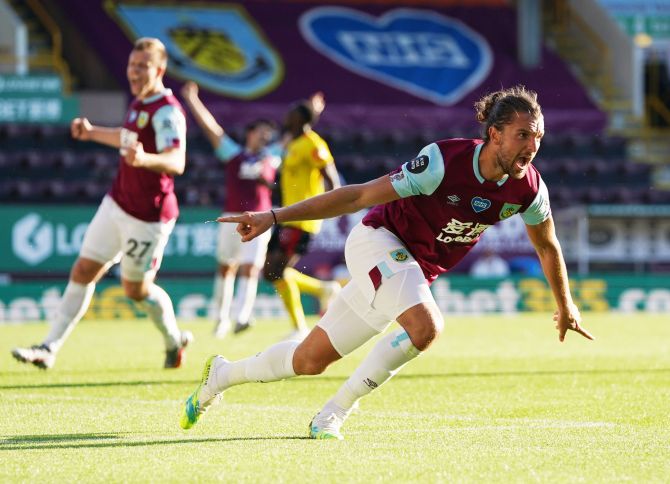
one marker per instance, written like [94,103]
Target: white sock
[245,297]
[225,296]
[158,307]
[273,364]
[385,360]
[216,290]
[73,305]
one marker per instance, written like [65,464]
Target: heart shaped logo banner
[420,52]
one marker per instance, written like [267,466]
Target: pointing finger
[584,333]
[231,218]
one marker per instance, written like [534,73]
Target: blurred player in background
[249,176]
[308,169]
[427,215]
[136,217]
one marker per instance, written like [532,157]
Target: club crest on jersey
[142,119]
[418,164]
[480,204]
[508,210]
[399,255]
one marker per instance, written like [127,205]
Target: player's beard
[508,164]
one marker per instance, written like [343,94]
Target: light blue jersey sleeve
[539,210]
[422,175]
[276,151]
[227,148]
[169,125]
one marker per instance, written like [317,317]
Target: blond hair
[155,47]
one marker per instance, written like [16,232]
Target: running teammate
[136,217]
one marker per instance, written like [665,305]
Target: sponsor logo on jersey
[453,199]
[508,209]
[400,255]
[418,164]
[461,232]
[421,52]
[219,46]
[142,119]
[480,204]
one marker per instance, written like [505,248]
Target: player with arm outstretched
[426,217]
[136,217]
[249,176]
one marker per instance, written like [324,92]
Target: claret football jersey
[248,175]
[446,205]
[158,122]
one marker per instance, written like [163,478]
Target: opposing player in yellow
[308,169]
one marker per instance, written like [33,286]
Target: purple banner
[379,67]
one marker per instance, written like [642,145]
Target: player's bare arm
[171,161]
[567,317]
[343,200]
[213,130]
[331,177]
[81,129]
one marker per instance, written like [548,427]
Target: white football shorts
[231,250]
[114,236]
[385,281]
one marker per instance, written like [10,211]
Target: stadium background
[600,68]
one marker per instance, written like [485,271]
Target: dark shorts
[289,240]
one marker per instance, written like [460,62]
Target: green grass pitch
[497,399]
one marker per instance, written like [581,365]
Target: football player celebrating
[426,217]
[250,174]
[136,217]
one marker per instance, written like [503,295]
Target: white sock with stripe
[386,359]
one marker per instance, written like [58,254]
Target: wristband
[274,216]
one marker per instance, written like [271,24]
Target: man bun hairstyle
[497,108]
[155,47]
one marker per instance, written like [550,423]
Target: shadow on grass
[92,440]
[98,384]
[496,374]
[39,438]
[26,370]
